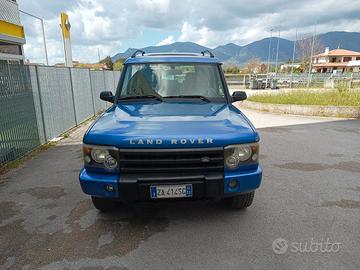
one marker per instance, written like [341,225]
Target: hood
[171,125]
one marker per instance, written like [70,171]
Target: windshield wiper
[141,97]
[190,96]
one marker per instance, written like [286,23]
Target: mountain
[340,39]
[232,53]
[123,55]
[259,49]
[228,50]
[174,47]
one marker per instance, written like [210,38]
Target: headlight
[101,157]
[236,155]
[110,162]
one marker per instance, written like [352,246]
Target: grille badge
[205,159]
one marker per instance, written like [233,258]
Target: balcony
[354,63]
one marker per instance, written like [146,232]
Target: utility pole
[268,61]
[311,56]
[43,33]
[99,54]
[277,54]
[293,59]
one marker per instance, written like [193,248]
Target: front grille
[174,161]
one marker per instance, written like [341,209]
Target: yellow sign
[12,31]
[65,29]
[65,25]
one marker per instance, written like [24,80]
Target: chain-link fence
[18,122]
[296,80]
[38,103]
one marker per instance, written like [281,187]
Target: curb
[309,110]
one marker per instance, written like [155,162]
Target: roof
[172,58]
[338,52]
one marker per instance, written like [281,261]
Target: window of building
[347,59]
[358,58]
[9,48]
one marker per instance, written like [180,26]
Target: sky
[112,26]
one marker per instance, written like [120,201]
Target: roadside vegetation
[339,97]
[4,168]
[117,65]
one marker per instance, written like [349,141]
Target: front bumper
[137,188]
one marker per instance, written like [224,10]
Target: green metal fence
[39,103]
[18,124]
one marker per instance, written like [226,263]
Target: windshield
[173,80]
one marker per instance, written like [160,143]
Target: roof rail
[173,54]
[136,52]
[207,51]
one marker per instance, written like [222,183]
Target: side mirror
[107,96]
[238,96]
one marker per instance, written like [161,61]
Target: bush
[118,65]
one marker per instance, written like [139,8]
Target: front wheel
[241,201]
[102,204]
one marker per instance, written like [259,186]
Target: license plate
[170,191]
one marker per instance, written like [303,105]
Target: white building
[286,67]
[338,60]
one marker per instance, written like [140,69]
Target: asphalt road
[310,198]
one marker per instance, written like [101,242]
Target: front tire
[241,201]
[102,204]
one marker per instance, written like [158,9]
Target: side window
[130,72]
[217,81]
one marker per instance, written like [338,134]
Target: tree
[118,65]
[231,69]
[306,46]
[108,62]
[254,65]
[263,68]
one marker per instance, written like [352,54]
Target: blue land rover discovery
[172,132]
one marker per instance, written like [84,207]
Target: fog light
[232,184]
[109,188]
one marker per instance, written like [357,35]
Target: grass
[17,162]
[4,168]
[339,97]
[65,135]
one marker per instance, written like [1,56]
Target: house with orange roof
[338,60]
